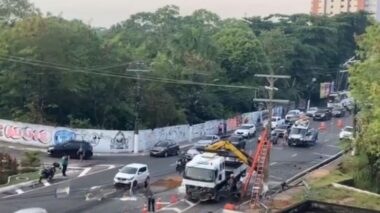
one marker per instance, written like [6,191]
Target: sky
[104,13]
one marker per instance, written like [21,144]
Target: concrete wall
[113,141]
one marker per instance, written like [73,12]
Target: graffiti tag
[25,133]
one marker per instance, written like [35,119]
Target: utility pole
[271,80]
[137,108]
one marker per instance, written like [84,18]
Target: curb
[133,154]
[30,182]
[15,186]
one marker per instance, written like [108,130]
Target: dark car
[165,148]
[71,148]
[338,112]
[322,115]
[238,141]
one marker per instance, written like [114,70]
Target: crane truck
[207,175]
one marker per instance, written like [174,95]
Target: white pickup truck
[277,121]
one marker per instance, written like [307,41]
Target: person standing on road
[64,163]
[151,200]
[220,129]
[80,152]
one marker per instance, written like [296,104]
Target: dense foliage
[63,72]
[365,87]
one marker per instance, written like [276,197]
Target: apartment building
[333,7]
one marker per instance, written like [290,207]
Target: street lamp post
[309,96]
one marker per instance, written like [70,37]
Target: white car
[192,152]
[311,111]
[293,115]
[347,133]
[134,173]
[207,140]
[246,130]
[277,121]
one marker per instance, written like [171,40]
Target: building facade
[334,7]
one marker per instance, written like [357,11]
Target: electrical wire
[161,80]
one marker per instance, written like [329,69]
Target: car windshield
[282,127]
[245,127]
[323,110]
[349,129]
[297,131]
[162,144]
[128,170]
[313,109]
[209,137]
[200,174]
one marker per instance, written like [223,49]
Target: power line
[160,80]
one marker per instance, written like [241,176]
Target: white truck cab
[206,175]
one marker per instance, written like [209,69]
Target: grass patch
[322,190]
[344,197]
[22,178]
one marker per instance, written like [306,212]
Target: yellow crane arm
[228,146]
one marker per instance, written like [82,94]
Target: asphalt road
[285,162]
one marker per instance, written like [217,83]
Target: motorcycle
[181,163]
[48,173]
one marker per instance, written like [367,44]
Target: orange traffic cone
[229,206]
[339,123]
[173,199]
[158,204]
[145,209]
[322,126]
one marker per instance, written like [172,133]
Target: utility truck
[215,173]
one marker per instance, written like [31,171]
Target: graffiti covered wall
[113,141]
[24,133]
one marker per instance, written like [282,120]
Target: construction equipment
[216,172]
[259,163]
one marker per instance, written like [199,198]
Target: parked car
[322,115]
[193,152]
[207,140]
[302,122]
[347,133]
[165,148]
[246,130]
[238,141]
[133,174]
[276,121]
[311,111]
[338,112]
[71,148]
[293,115]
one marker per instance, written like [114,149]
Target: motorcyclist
[48,173]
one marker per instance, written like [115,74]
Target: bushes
[31,159]
[8,166]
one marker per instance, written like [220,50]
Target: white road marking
[173,164]
[19,191]
[273,163]
[171,209]
[294,155]
[46,183]
[84,172]
[128,198]
[95,187]
[321,154]
[12,147]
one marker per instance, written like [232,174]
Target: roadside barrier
[322,126]
[158,204]
[340,124]
[229,206]
[145,209]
